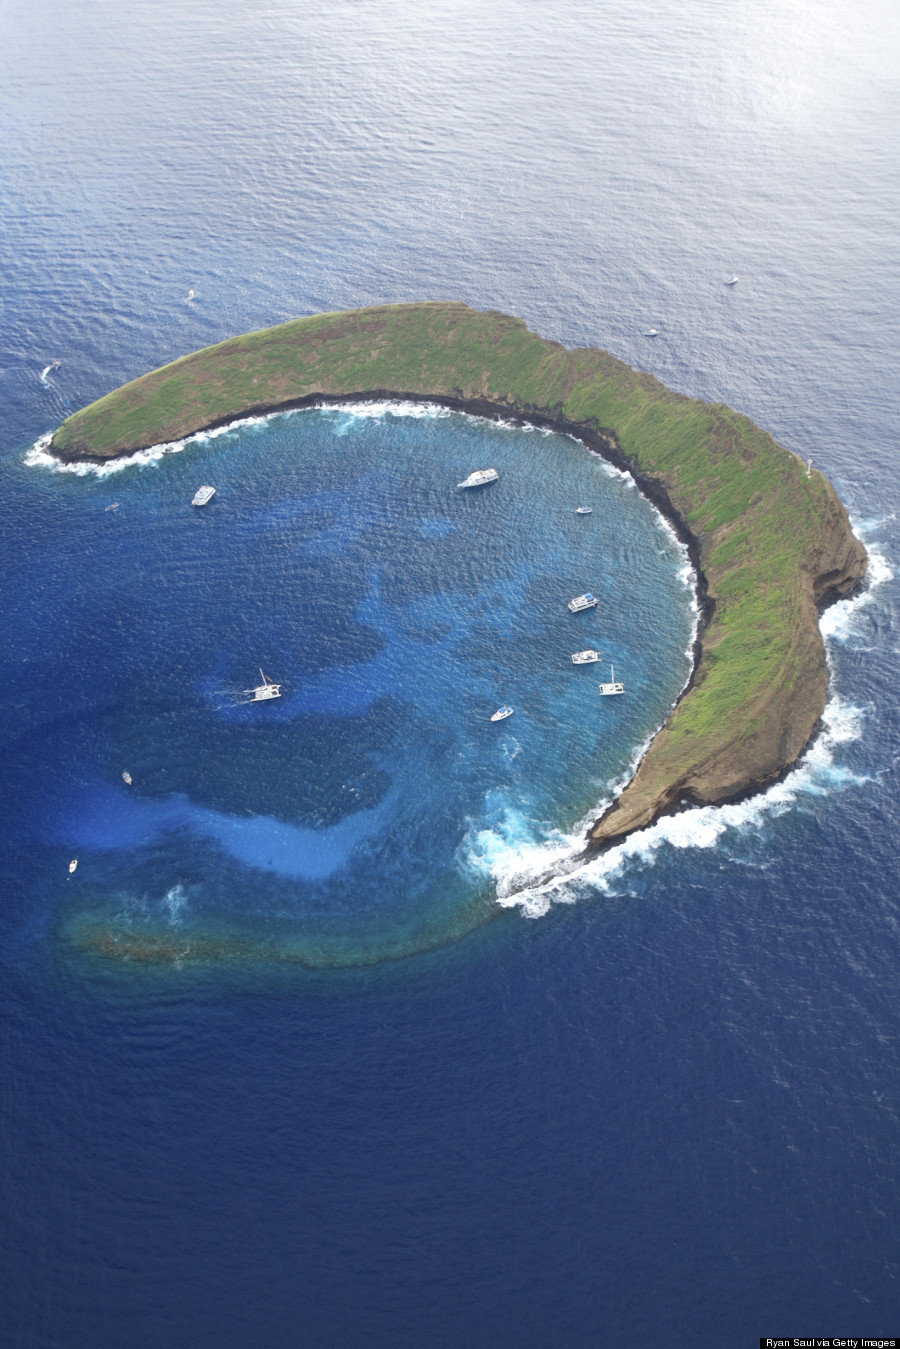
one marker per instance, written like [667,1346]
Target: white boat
[265,691]
[732,280]
[502,713]
[584,510]
[73,865]
[585,601]
[585,657]
[613,686]
[203,495]
[480,477]
[650,332]
[126,776]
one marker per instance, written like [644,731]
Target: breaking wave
[534,869]
[39,455]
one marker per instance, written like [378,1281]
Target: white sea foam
[534,868]
[174,904]
[686,574]
[170,909]
[519,864]
[375,410]
[39,457]
[840,622]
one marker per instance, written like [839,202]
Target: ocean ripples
[534,871]
[398,612]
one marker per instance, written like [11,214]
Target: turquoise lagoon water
[375,809]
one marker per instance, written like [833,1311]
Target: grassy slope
[759,520]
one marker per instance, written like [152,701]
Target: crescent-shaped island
[768,536]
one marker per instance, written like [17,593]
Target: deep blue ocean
[382,1084]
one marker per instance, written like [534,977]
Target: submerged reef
[769,539]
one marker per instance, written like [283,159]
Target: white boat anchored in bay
[502,713]
[613,686]
[480,477]
[585,657]
[580,602]
[203,495]
[265,691]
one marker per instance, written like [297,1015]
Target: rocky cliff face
[784,715]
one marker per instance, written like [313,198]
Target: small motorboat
[480,477]
[584,510]
[113,507]
[732,280]
[203,495]
[651,332]
[613,686]
[580,602]
[587,657]
[502,713]
[73,866]
[126,776]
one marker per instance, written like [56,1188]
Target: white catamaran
[264,691]
[585,657]
[613,686]
[480,477]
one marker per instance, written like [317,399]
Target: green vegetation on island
[771,540]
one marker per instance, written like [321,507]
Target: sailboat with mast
[613,686]
[264,692]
